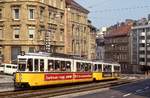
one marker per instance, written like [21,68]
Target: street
[140,89]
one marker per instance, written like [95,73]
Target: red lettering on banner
[67,76]
[82,75]
[58,76]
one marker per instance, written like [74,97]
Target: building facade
[100,46]
[39,25]
[77,30]
[140,47]
[117,45]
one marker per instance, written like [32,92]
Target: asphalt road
[139,89]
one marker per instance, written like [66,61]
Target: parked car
[10,68]
[1,68]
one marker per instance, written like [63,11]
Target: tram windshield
[22,64]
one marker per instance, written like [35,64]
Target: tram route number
[49,77]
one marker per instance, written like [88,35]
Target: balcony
[142,34]
[148,63]
[148,56]
[142,41]
[142,63]
[142,48]
[148,48]
[142,56]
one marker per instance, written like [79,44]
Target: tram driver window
[30,65]
[41,65]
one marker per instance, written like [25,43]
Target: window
[16,14]
[83,67]
[1,33]
[30,65]
[42,14]
[16,32]
[57,66]
[31,49]
[51,65]
[36,65]
[50,2]
[61,4]
[50,16]
[0,14]
[31,32]
[41,65]
[31,14]
[61,34]
[97,67]
[42,1]
[7,66]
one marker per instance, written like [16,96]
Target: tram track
[51,92]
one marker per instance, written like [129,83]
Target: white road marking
[127,94]
[146,87]
[139,90]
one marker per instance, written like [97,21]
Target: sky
[109,12]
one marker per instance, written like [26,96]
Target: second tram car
[37,69]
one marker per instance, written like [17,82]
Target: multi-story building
[24,24]
[100,49]
[91,41]
[140,47]
[117,45]
[77,32]
[37,25]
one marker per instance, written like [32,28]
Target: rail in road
[56,91]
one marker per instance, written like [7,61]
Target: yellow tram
[40,69]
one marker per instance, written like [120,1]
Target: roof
[76,6]
[118,31]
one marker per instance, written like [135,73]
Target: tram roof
[57,55]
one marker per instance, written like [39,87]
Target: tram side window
[57,65]
[36,65]
[82,67]
[30,65]
[63,66]
[99,67]
[107,68]
[51,65]
[41,65]
[87,67]
[78,66]
[68,66]
[95,67]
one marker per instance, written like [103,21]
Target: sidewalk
[6,79]
[135,76]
